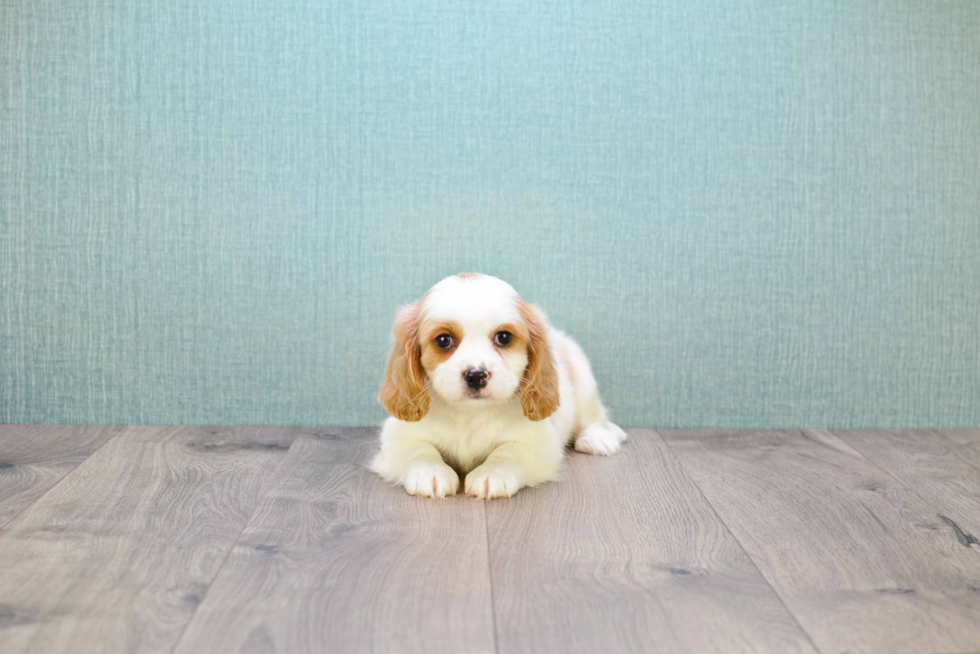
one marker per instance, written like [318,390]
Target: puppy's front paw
[432,480]
[486,482]
[600,440]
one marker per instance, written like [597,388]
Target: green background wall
[749,213]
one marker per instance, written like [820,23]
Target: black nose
[476,378]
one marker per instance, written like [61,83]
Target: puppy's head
[472,341]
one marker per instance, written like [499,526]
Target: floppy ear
[539,388]
[403,392]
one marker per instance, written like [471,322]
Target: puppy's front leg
[513,465]
[414,463]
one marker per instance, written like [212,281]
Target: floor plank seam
[493,603]
[667,443]
[57,483]
[217,573]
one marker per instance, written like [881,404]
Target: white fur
[489,439]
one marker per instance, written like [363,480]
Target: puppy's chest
[466,444]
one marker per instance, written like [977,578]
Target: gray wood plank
[118,555]
[934,468]
[625,555]
[863,563]
[968,441]
[33,458]
[335,560]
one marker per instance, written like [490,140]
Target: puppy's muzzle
[476,378]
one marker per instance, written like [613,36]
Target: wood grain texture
[935,468]
[117,557]
[33,458]
[968,441]
[625,555]
[337,561]
[863,563]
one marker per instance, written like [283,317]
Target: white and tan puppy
[478,384]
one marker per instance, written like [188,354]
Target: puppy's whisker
[413,401]
[416,398]
[530,385]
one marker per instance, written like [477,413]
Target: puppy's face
[472,341]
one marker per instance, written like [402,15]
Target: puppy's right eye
[444,341]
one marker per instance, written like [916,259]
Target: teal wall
[749,213]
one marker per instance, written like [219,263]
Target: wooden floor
[262,539]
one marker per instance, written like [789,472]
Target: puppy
[478,384]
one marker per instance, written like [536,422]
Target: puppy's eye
[444,341]
[502,338]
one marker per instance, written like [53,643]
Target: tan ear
[539,388]
[403,391]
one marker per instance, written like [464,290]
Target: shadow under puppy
[479,384]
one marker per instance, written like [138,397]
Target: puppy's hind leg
[602,438]
[598,436]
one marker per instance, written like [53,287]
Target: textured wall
[749,213]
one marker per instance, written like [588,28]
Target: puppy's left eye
[502,338]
